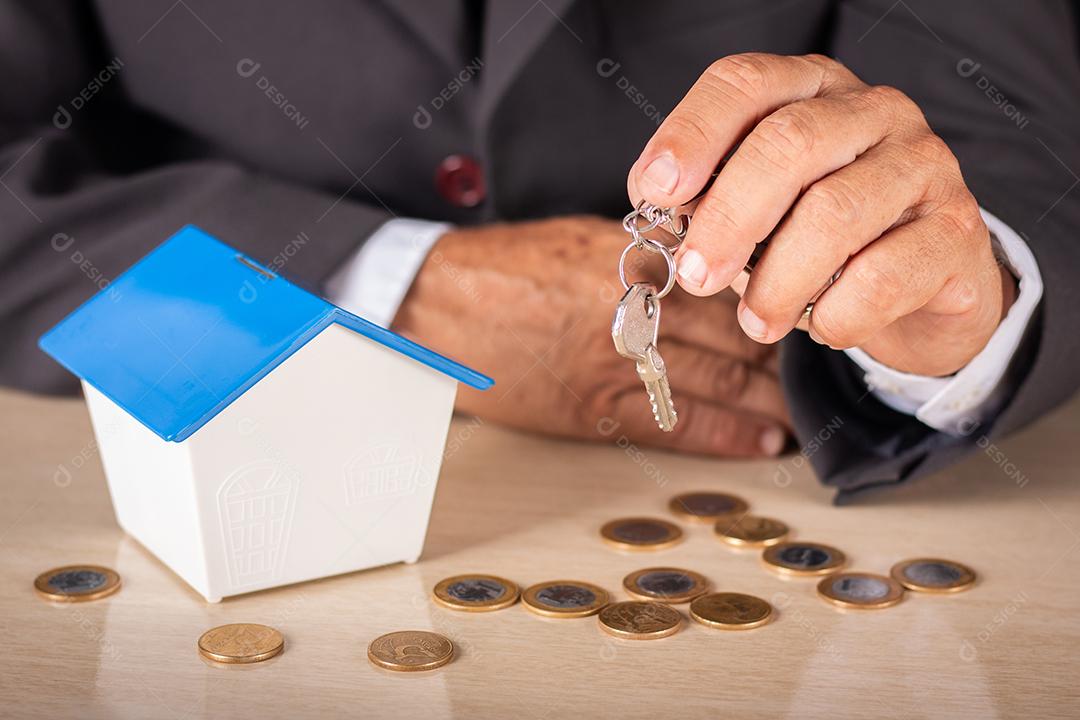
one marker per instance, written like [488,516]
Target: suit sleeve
[998,82]
[88,187]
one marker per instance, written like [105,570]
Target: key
[635,330]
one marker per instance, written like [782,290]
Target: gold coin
[750,531]
[640,620]
[476,593]
[664,584]
[706,506]
[641,533]
[565,598]
[803,558]
[731,611]
[241,643]
[77,583]
[410,651]
[863,591]
[933,575]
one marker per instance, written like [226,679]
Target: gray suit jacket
[292,130]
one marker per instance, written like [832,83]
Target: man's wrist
[974,394]
[1010,285]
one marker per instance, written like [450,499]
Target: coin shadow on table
[243,667]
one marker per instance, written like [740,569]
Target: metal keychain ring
[676,224]
[637,232]
[656,247]
[684,225]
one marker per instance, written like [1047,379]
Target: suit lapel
[437,23]
[513,31]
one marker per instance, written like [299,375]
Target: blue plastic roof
[193,325]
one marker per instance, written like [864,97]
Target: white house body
[248,451]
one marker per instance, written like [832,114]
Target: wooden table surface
[528,509]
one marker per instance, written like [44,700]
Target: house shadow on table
[493,484]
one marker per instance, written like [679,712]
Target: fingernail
[752,325]
[772,441]
[692,268]
[814,336]
[663,173]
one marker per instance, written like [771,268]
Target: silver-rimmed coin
[664,584]
[803,558]
[476,593]
[862,591]
[565,598]
[933,575]
[641,533]
[77,583]
[706,506]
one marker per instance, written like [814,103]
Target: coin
[933,575]
[476,593]
[864,591]
[731,611]
[641,533]
[77,583]
[706,506]
[410,651]
[750,531]
[565,598]
[803,558]
[670,585]
[241,643]
[640,620]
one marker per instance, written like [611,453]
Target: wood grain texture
[528,509]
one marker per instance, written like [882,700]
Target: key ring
[675,224]
[676,221]
[644,243]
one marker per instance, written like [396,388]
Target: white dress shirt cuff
[373,282]
[959,403]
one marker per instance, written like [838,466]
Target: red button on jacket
[460,180]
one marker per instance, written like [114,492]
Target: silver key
[635,330]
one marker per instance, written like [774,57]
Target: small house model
[253,434]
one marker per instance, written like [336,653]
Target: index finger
[726,102]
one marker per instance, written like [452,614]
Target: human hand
[843,175]
[531,304]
